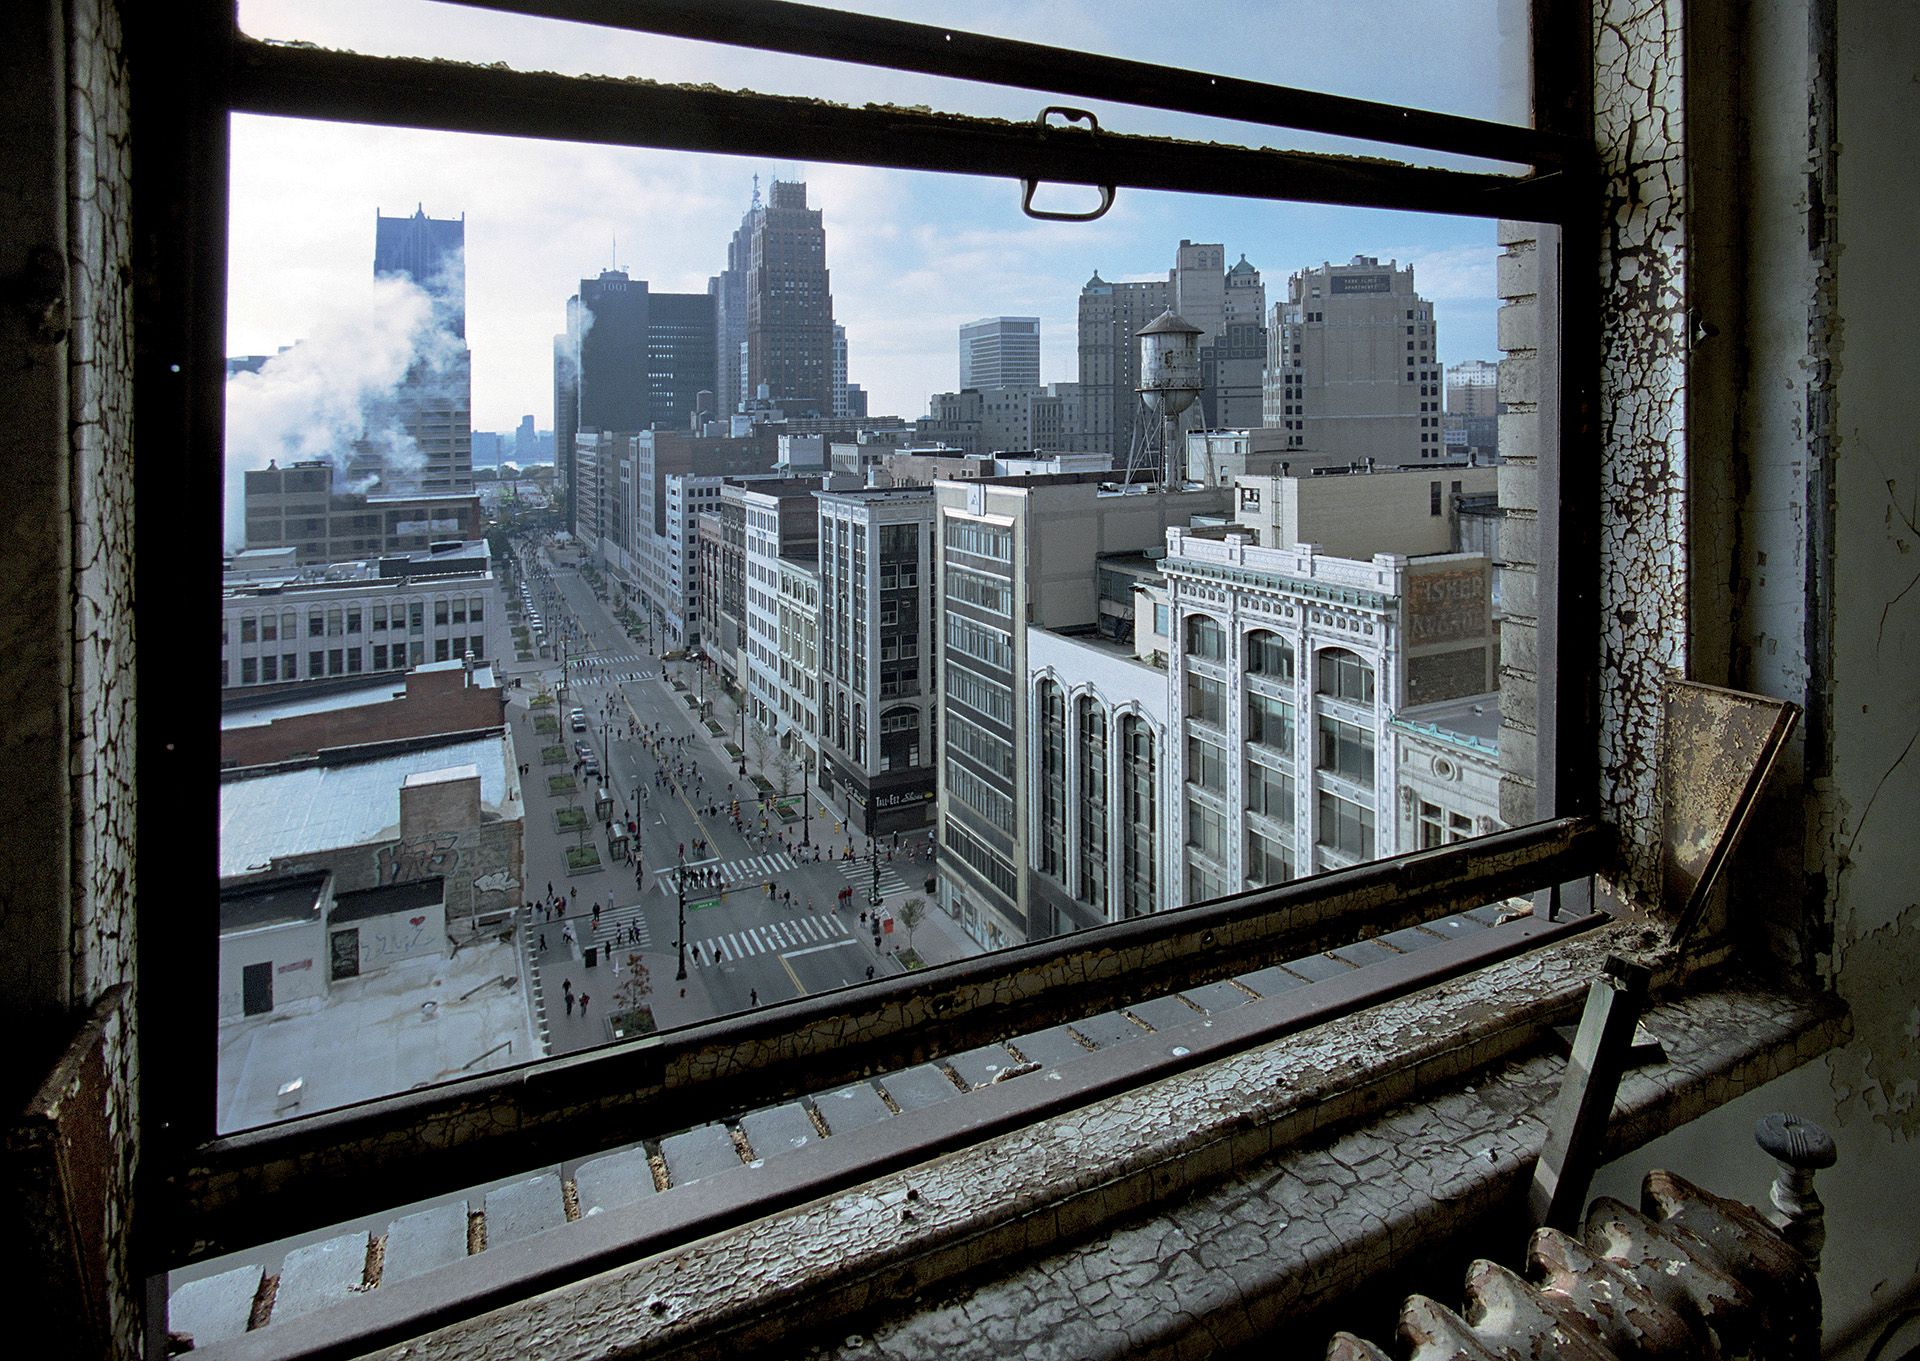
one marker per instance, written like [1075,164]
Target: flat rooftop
[321,807]
[1472,720]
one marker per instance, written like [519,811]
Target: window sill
[1197,1211]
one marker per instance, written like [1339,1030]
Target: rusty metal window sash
[207,1194]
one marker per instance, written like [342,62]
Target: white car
[579,720]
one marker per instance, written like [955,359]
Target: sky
[912,256]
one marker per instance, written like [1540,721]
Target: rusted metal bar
[303,82]
[836,35]
[318,1169]
[1578,1128]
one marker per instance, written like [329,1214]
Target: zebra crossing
[741,870]
[775,937]
[624,926]
[893,878]
[624,659]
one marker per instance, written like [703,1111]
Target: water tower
[1169,384]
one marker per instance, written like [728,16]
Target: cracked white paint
[1640,140]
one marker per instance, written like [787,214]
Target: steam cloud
[332,395]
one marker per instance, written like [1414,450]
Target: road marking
[799,988]
[816,949]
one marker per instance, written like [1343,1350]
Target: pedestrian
[543,942]
[753,996]
[549,888]
[584,999]
[566,987]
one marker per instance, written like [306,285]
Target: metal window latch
[1029,187]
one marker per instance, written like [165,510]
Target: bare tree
[912,912]
[761,743]
[633,994]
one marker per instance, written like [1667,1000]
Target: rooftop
[273,902]
[326,806]
[1470,721]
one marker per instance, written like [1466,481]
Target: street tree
[912,912]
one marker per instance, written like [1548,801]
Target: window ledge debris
[1200,1211]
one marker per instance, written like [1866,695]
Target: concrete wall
[1820,549]
[298,953]
[381,941]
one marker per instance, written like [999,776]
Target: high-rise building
[1000,352]
[1109,357]
[789,322]
[1352,367]
[1227,305]
[433,405]
[1473,411]
[877,647]
[839,370]
[728,289]
[997,579]
[631,360]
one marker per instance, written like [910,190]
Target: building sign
[1363,283]
[904,796]
[1446,607]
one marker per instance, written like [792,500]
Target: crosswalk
[626,659]
[893,873]
[624,926]
[746,869]
[776,937]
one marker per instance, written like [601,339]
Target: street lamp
[680,892]
[806,797]
[873,850]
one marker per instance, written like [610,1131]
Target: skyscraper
[1000,352]
[433,406]
[1352,368]
[728,289]
[839,369]
[1109,359]
[631,360]
[789,323]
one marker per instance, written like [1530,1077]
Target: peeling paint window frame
[217,1192]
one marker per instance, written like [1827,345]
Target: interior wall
[1827,608]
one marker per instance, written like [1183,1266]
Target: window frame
[204,1194]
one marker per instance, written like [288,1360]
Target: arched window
[1091,721]
[1138,813]
[1344,676]
[1053,780]
[1206,639]
[1269,655]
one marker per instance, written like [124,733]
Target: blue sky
[912,256]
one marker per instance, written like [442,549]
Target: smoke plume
[332,395]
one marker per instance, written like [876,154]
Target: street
[765,917]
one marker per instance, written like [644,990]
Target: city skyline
[913,256]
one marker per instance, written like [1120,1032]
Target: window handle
[1029,187]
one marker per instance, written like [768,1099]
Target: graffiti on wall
[422,858]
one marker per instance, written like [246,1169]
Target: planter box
[582,858]
[554,756]
[561,784]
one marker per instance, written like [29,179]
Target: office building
[1000,352]
[433,405]
[1352,367]
[789,302]
[1297,632]
[799,650]
[877,648]
[1018,553]
[282,622]
[782,520]
[1472,426]
[1110,314]
[1446,759]
[298,507]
